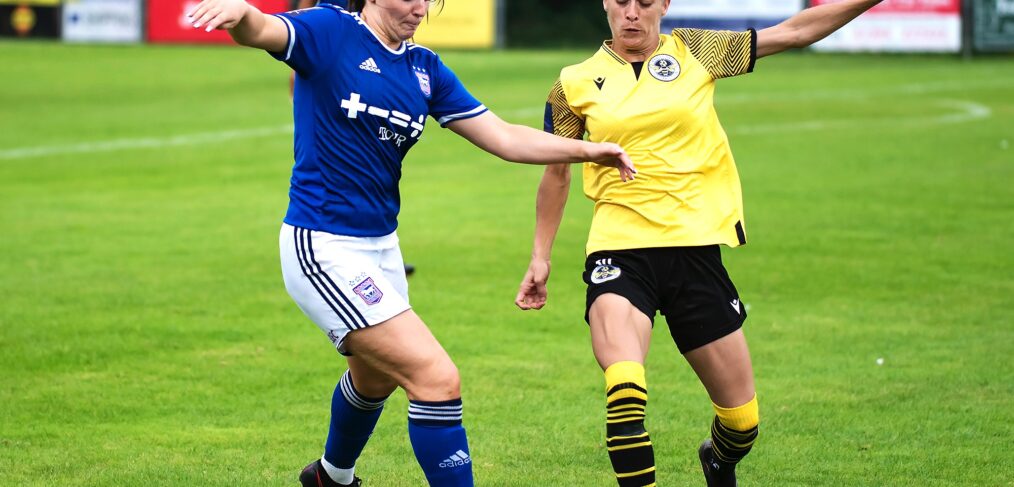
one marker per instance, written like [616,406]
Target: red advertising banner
[907,6]
[167,21]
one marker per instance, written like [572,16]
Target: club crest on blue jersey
[424,80]
[368,291]
[664,67]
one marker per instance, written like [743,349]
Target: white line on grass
[965,111]
[144,142]
[866,93]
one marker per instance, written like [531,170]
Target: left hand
[218,14]
[532,293]
[612,155]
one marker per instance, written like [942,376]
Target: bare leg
[621,334]
[402,351]
[368,380]
[619,331]
[356,407]
[724,368]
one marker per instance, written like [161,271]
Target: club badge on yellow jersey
[664,67]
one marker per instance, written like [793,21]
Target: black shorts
[689,285]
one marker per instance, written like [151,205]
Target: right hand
[218,14]
[612,155]
[532,293]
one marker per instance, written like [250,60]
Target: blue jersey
[358,107]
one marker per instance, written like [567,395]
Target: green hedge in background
[555,23]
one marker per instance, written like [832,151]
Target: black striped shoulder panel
[565,122]
[723,53]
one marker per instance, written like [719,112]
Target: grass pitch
[147,339]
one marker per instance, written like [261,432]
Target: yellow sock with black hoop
[734,431]
[627,441]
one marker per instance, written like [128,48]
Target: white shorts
[343,283]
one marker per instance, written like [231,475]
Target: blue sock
[439,442]
[353,417]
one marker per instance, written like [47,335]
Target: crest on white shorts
[368,291]
[604,271]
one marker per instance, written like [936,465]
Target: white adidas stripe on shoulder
[455,116]
[414,46]
[292,37]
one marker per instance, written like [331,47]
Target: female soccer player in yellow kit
[654,242]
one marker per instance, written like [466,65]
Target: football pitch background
[146,337]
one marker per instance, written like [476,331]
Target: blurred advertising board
[51,3]
[467,24]
[102,21]
[900,26]
[993,25]
[729,14]
[167,22]
[31,19]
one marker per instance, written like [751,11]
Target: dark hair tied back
[357,5]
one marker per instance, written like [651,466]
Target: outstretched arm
[549,204]
[247,25]
[809,26]
[518,143]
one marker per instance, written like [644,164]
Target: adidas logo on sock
[458,459]
[370,65]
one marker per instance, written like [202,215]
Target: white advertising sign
[734,9]
[102,21]
[900,26]
[901,33]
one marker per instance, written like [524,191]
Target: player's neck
[391,41]
[636,51]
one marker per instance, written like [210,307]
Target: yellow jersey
[687,190]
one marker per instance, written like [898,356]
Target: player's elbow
[794,38]
[509,144]
[803,40]
[504,148]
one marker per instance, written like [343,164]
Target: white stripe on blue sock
[353,396]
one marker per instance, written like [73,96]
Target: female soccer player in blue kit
[362,94]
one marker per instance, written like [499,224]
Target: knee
[437,381]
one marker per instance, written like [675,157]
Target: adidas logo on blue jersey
[370,65]
[458,459]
